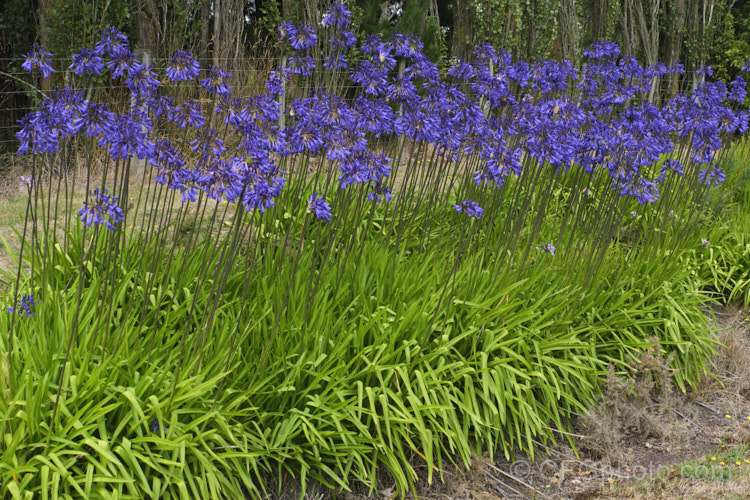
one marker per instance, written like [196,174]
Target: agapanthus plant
[216,81]
[470,208]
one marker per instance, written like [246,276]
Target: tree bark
[569,36]
[462,29]
[598,10]
[217,32]
[205,19]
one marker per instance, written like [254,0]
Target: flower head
[26,306]
[122,61]
[95,120]
[319,207]
[37,60]
[156,426]
[142,81]
[87,62]
[602,49]
[713,174]
[547,247]
[101,209]
[304,38]
[111,42]
[216,81]
[737,92]
[25,182]
[182,66]
[379,191]
[275,83]
[187,114]
[470,208]
[337,15]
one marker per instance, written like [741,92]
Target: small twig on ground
[579,436]
[496,480]
[709,408]
[516,479]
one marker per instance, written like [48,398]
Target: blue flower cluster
[507,116]
[319,207]
[101,209]
[470,208]
[26,306]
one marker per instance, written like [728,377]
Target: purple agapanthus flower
[275,83]
[101,209]
[26,306]
[182,66]
[287,31]
[38,60]
[547,247]
[713,174]
[156,426]
[304,38]
[470,208]
[25,182]
[737,90]
[379,192]
[121,62]
[142,81]
[319,207]
[301,64]
[216,81]
[187,114]
[87,62]
[112,41]
[602,49]
[95,120]
[337,15]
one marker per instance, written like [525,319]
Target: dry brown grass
[642,406]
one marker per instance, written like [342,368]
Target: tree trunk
[598,10]
[569,36]
[462,29]
[217,52]
[676,14]
[205,19]
[628,43]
